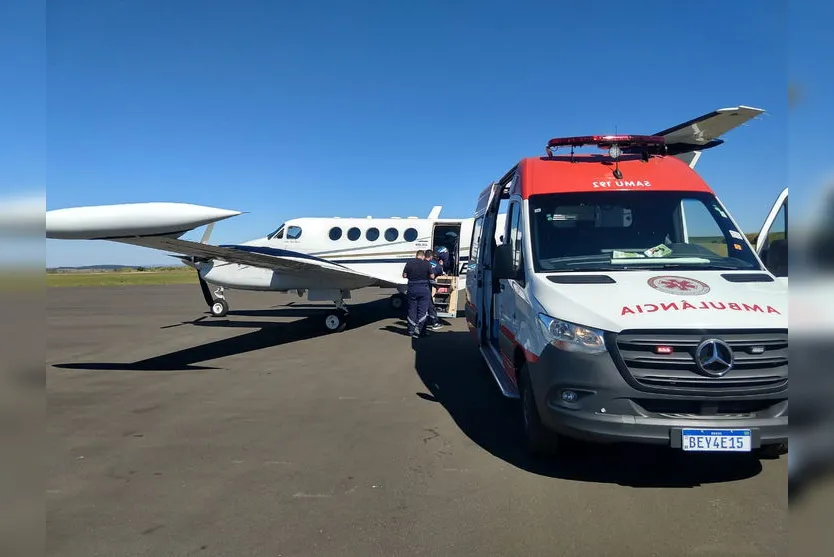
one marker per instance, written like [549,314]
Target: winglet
[435,212]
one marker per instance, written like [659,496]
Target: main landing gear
[336,320]
[397,301]
[218,306]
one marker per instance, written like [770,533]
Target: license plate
[717,440]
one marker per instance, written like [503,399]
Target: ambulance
[625,304]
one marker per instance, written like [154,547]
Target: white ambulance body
[626,304]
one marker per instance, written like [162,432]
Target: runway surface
[174,433]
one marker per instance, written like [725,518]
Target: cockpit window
[278,233]
[293,232]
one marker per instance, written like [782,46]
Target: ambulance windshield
[635,230]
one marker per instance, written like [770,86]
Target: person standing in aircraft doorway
[418,271]
[444,257]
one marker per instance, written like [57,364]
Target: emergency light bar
[614,143]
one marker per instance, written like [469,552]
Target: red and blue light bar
[607,142]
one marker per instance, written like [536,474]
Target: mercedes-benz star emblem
[714,357]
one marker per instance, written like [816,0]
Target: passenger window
[410,235]
[293,232]
[353,234]
[475,244]
[392,234]
[335,233]
[702,229]
[372,234]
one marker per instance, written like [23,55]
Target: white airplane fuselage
[378,247]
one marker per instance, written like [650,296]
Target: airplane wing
[688,138]
[160,226]
[293,263]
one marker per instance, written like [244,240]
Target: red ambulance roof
[557,174]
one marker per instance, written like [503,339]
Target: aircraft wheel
[219,308]
[336,321]
[397,302]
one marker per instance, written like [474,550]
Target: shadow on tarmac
[450,366]
[267,335]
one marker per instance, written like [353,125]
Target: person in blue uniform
[418,271]
[443,255]
[437,270]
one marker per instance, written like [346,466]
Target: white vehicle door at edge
[506,298]
[772,241]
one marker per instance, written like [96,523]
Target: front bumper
[609,409]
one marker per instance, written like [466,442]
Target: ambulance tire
[540,440]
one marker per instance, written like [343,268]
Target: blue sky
[382,108]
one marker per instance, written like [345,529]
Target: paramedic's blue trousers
[419,298]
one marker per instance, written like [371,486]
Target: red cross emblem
[679,285]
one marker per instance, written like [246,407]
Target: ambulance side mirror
[503,268]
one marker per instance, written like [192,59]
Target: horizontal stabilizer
[130,220]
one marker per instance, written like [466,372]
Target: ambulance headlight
[571,337]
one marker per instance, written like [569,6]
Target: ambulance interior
[448,235]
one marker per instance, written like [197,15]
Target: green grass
[123,278]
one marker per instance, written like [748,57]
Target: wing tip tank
[112,222]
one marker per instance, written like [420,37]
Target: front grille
[761,361]
[729,409]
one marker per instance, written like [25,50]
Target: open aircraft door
[772,241]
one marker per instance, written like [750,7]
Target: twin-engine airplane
[325,257]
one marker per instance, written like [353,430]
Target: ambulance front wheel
[540,440]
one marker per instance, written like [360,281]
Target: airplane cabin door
[772,241]
[448,235]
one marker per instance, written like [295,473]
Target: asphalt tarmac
[174,433]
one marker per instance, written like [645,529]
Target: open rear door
[772,241]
